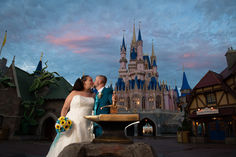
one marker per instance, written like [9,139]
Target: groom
[103,97]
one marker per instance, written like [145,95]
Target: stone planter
[230,140]
[198,139]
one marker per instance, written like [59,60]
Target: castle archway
[146,127]
[47,126]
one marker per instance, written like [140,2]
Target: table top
[113,117]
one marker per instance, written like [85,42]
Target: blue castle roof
[176,90]
[39,67]
[139,35]
[133,54]
[185,84]
[152,84]
[123,44]
[120,84]
[154,63]
[148,60]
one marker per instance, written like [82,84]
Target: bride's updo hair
[79,83]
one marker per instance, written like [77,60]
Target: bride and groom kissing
[82,101]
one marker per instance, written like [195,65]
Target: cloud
[85,35]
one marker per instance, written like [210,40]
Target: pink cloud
[70,41]
[83,50]
[108,36]
[194,64]
[189,55]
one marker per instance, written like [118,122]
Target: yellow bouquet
[63,124]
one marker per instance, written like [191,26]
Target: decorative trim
[16,81]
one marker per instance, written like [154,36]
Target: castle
[138,87]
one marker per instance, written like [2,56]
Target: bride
[80,102]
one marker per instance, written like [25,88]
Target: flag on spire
[4,41]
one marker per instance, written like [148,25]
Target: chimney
[230,57]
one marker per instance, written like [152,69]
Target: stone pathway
[162,146]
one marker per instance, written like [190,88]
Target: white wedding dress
[81,130]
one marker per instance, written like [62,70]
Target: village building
[212,108]
[12,98]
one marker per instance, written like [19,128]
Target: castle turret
[139,46]
[123,60]
[133,45]
[153,56]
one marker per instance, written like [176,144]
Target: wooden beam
[227,98]
[197,101]
[217,104]
[201,101]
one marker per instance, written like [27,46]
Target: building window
[143,103]
[128,103]
[211,98]
[158,101]
[151,100]
[122,100]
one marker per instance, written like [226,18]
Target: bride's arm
[66,105]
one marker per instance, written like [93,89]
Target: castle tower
[123,60]
[140,61]
[185,89]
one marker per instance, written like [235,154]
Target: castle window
[158,101]
[211,98]
[143,102]
[151,101]
[128,103]
[122,100]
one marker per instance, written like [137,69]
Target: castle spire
[153,56]
[39,67]
[185,85]
[134,36]
[123,42]
[139,32]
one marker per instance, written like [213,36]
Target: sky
[84,36]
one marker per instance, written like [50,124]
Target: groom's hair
[104,79]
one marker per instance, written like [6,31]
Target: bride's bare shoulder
[73,93]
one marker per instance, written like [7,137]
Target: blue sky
[85,35]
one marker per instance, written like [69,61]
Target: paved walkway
[162,146]
[169,147]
